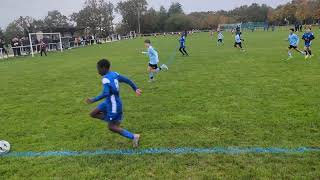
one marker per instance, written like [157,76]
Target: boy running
[238,41]
[308,37]
[220,38]
[110,110]
[182,48]
[153,61]
[293,43]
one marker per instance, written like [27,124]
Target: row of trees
[97,17]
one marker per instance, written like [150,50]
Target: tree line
[97,18]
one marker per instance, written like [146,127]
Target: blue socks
[127,134]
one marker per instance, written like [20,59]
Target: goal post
[39,37]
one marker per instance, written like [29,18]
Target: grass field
[217,97]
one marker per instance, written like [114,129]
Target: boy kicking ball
[308,37]
[110,110]
[153,61]
[293,44]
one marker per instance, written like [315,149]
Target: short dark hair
[147,41]
[104,63]
[291,29]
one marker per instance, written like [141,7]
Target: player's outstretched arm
[126,80]
[312,37]
[104,94]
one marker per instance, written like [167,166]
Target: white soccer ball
[4,147]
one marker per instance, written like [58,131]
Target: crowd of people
[18,46]
[21,46]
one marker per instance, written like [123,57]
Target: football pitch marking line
[172,151]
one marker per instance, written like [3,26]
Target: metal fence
[51,47]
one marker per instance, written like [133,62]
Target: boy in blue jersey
[110,110]
[308,37]
[220,38]
[153,61]
[182,48]
[238,41]
[293,43]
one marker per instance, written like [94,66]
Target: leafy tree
[175,8]
[97,16]
[163,16]
[131,12]
[178,22]
[150,21]
[1,33]
[14,30]
[20,27]
[54,20]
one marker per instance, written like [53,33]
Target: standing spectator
[2,46]
[296,27]
[92,39]
[15,45]
[43,47]
[25,43]
[19,47]
[36,46]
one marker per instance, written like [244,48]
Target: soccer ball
[4,147]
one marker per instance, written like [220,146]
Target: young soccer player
[43,47]
[293,43]
[182,48]
[308,37]
[238,41]
[110,110]
[220,38]
[153,61]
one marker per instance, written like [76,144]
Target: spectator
[15,45]
[2,46]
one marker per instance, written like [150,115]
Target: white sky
[11,9]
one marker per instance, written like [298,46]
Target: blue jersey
[111,92]
[293,39]
[308,37]
[182,41]
[153,56]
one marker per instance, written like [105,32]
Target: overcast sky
[11,9]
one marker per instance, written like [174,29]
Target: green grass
[218,96]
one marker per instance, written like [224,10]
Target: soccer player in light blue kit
[153,61]
[111,110]
[308,37]
[293,43]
